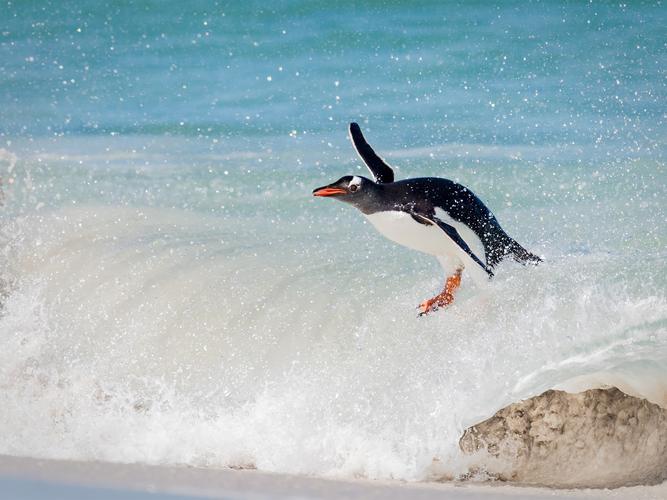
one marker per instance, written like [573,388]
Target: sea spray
[126,326]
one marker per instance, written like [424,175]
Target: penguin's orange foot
[427,306]
[444,298]
[435,303]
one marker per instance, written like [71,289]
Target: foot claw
[427,306]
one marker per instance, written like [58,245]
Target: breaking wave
[168,336]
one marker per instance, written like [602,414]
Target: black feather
[381,171]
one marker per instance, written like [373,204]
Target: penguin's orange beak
[328,191]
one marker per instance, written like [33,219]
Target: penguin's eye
[353,187]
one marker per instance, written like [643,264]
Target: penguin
[432,215]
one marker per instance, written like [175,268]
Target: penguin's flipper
[381,171]
[454,235]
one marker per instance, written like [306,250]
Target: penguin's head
[351,189]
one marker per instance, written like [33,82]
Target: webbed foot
[444,298]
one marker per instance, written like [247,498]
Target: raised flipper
[454,235]
[381,171]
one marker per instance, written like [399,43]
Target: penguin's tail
[504,246]
[520,254]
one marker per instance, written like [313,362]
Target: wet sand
[28,478]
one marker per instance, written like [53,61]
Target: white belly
[401,228]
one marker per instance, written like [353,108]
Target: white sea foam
[166,336]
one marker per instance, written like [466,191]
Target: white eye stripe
[355,181]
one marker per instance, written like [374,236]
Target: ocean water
[172,293]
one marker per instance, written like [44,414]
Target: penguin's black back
[424,194]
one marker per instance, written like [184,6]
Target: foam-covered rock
[596,438]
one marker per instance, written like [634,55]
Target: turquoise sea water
[173,294]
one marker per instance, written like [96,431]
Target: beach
[32,478]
